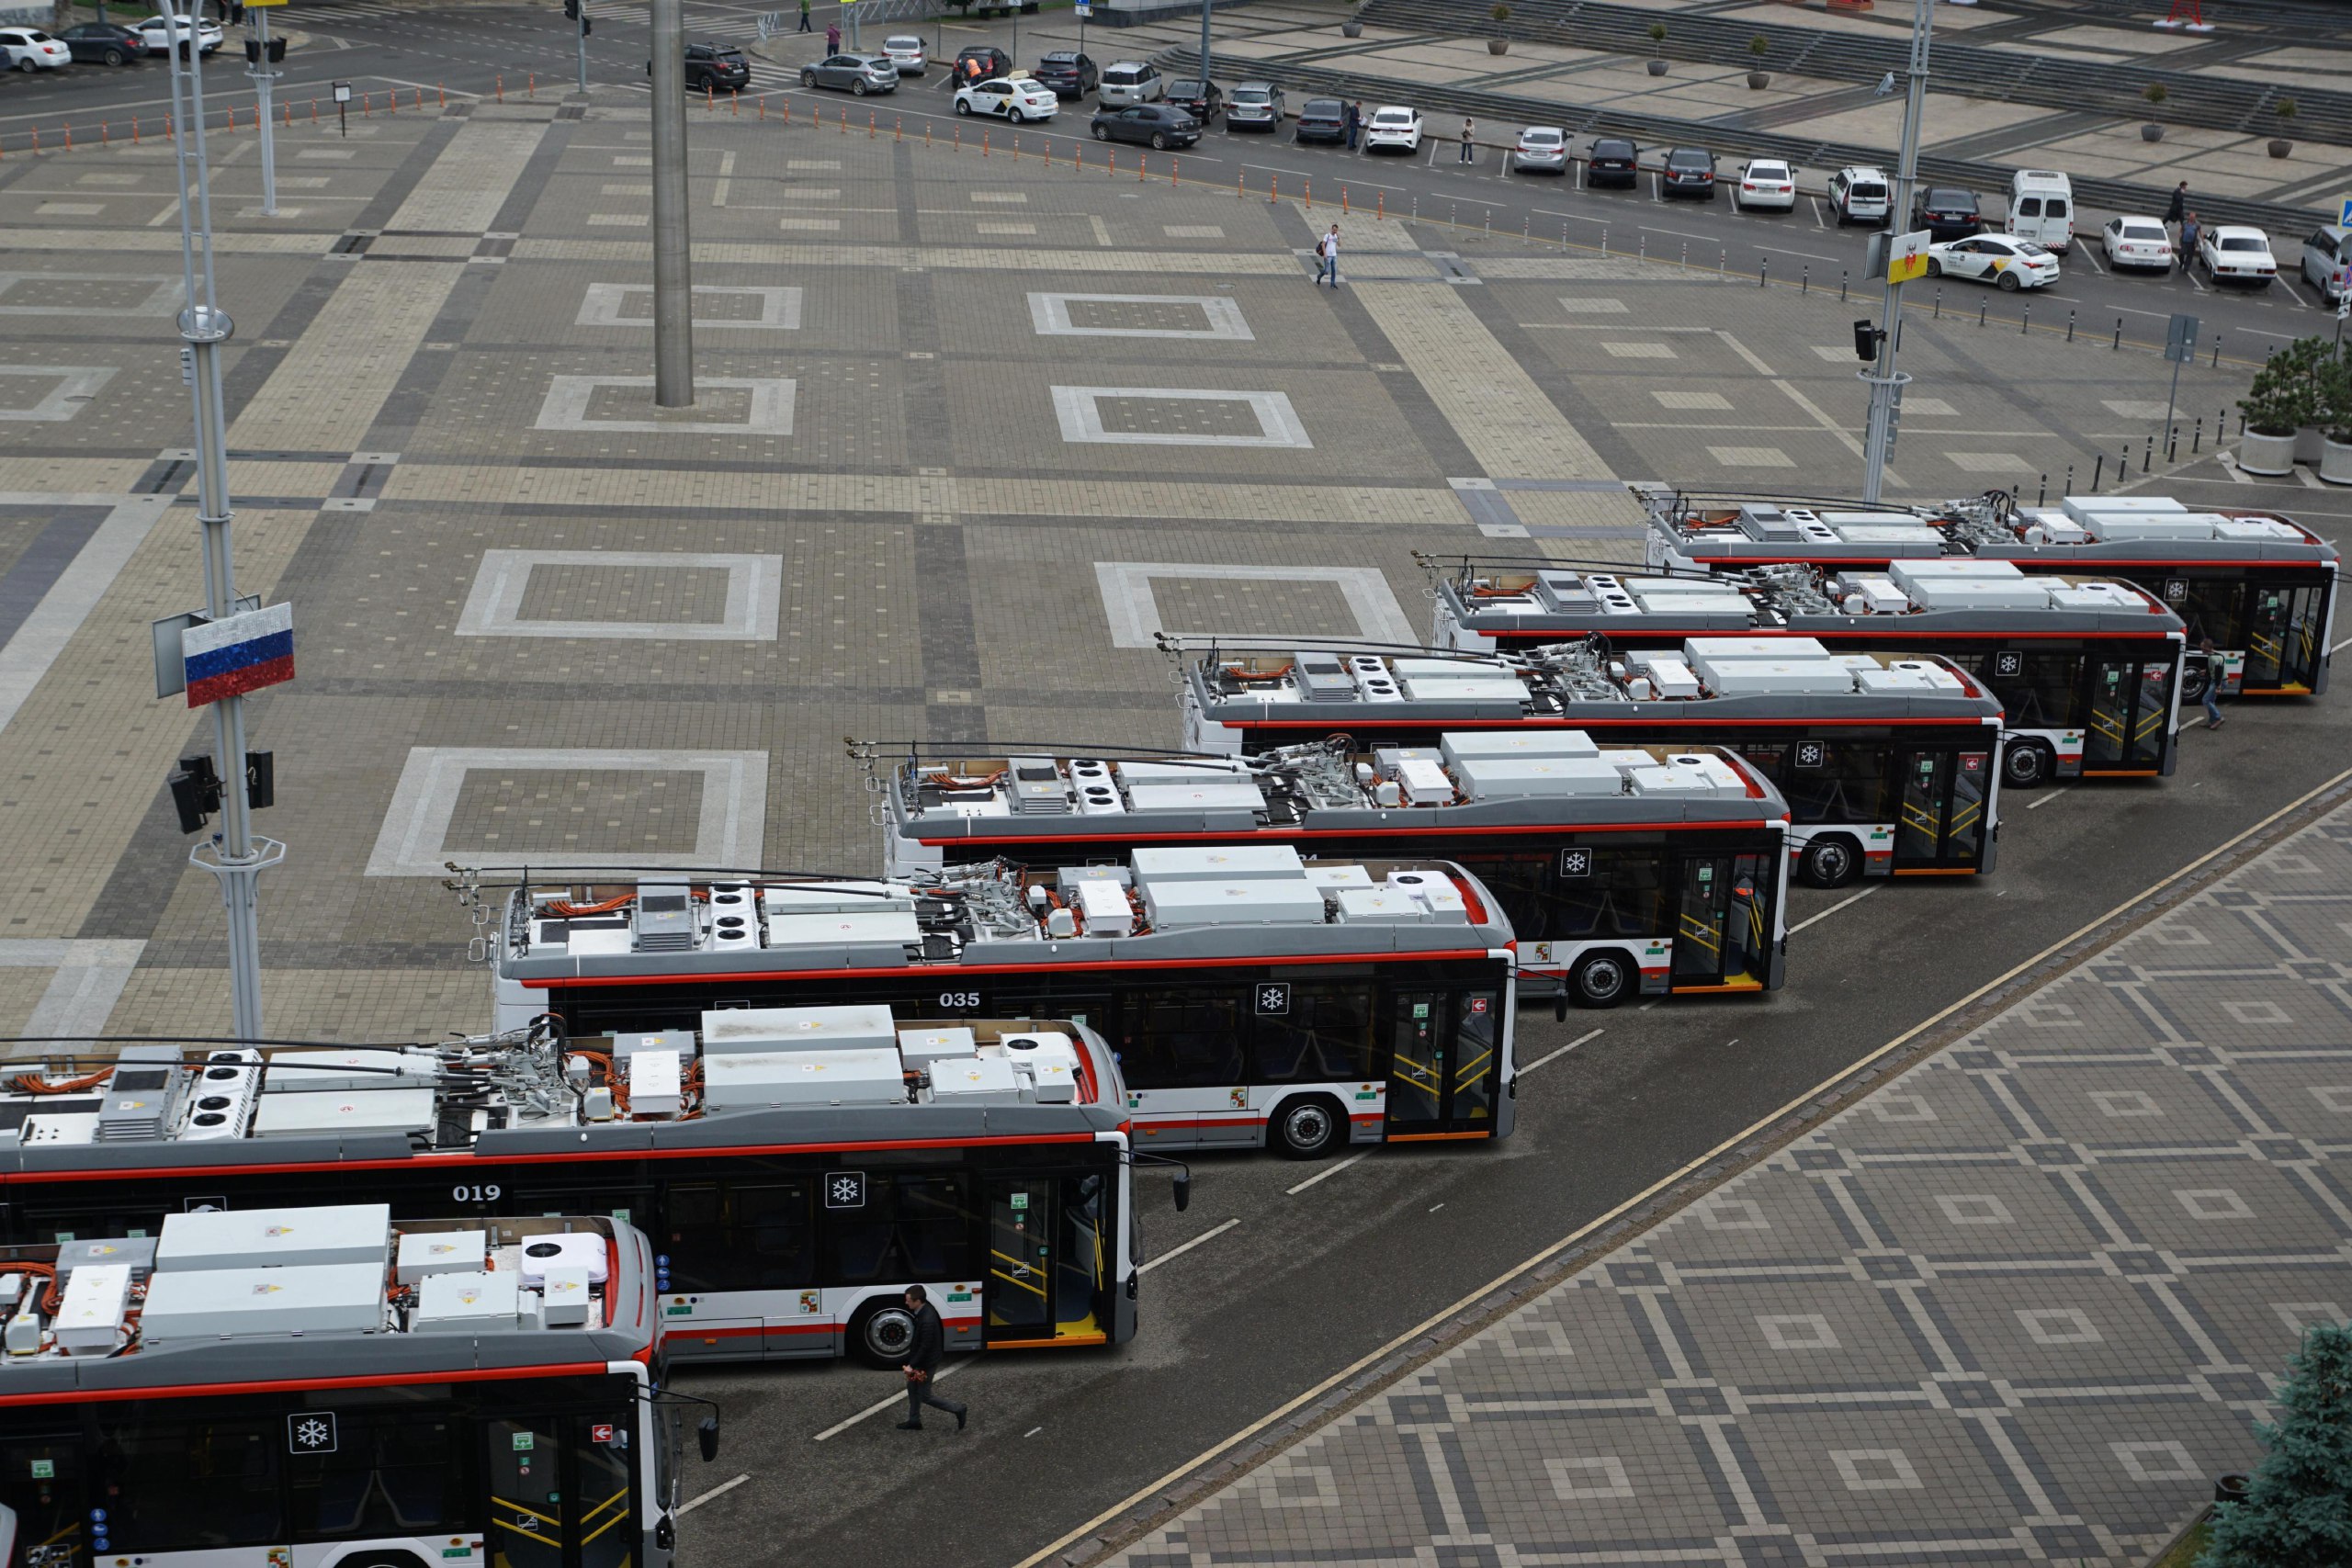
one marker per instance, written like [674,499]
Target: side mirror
[707,1435]
[1183,1190]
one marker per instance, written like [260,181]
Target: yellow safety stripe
[1039,1290]
[1421,1073]
[2108,724]
[1703,935]
[73,1528]
[543,1519]
[554,1542]
[618,1497]
[1966,815]
[1919,819]
[600,1529]
[1463,1078]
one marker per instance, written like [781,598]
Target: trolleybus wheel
[2026,764]
[1831,862]
[1601,979]
[882,1335]
[2193,681]
[1309,1127]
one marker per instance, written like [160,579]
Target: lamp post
[1885,382]
[673,330]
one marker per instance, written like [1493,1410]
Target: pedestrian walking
[832,38]
[803,17]
[1466,133]
[1326,258]
[922,1360]
[1354,123]
[2177,210]
[2213,682]
[2189,231]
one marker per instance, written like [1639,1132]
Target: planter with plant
[1353,26]
[2282,399]
[1658,40]
[1757,47]
[1499,44]
[2293,1508]
[2335,399]
[2155,95]
[2285,109]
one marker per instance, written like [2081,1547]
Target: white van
[2041,209]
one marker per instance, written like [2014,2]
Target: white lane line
[691,1503]
[1187,1246]
[2047,797]
[1852,899]
[1526,1067]
[941,1375]
[1330,1171]
[2094,261]
[2341,645]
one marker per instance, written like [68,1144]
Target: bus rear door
[1723,927]
[560,1490]
[1939,827]
[2131,712]
[1448,1047]
[2282,640]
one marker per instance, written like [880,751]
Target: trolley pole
[1885,381]
[674,333]
[264,79]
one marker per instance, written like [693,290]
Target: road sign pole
[2180,347]
[581,41]
[1885,382]
[264,80]
[674,333]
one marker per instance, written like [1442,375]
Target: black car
[1322,120]
[1948,213]
[1069,73]
[1689,171]
[991,60]
[1154,125]
[1202,100]
[1613,161]
[108,43]
[714,65]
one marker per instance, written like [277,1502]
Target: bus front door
[1441,1079]
[2131,716]
[1048,1259]
[560,1491]
[2282,640]
[1940,824]
[1722,929]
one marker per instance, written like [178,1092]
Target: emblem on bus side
[312,1432]
[845,1189]
[1274,998]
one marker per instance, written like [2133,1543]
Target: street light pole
[1886,383]
[673,332]
[580,39]
[264,78]
[1205,47]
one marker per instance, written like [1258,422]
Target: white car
[906,52]
[160,32]
[2136,241]
[30,49]
[1996,259]
[1541,147]
[1392,126]
[1766,185]
[1015,98]
[2235,254]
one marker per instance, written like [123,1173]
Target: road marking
[1033,1431]
[1435,1207]
[1101,230]
[1818,221]
[2341,645]
[1526,1067]
[1663,1183]
[1187,1246]
[941,1375]
[726,173]
[691,1503]
[1852,899]
[2094,261]
[2047,796]
[1330,1171]
[1651,1003]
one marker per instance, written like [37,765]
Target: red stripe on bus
[1386,830]
[1925,639]
[289,1385]
[734,976]
[1972,725]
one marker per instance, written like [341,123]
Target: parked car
[1321,119]
[1129,82]
[1858,194]
[1069,73]
[1542,149]
[2326,254]
[981,61]
[1689,171]
[1152,125]
[1014,98]
[720,66]
[106,43]
[2136,241]
[1766,185]
[907,52]
[859,73]
[1613,161]
[30,49]
[1393,128]
[1202,100]
[1254,105]
[2234,252]
[2008,263]
[1947,213]
[159,32]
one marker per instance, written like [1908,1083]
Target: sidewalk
[2020,1304]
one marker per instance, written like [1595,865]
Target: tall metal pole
[1885,381]
[673,332]
[264,79]
[582,39]
[1205,47]
[233,854]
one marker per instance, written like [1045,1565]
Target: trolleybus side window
[2038,690]
[40,1478]
[907,1227]
[391,1472]
[1522,888]
[1323,1035]
[1182,1039]
[190,1482]
[1833,781]
[1622,893]
[736,1238]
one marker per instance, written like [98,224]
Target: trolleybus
[799,1168]
[1625,870]
[1249,996]
[324,1386]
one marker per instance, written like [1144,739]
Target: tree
[2298,1510]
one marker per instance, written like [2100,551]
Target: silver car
[1130,82]
[2326,256]
[1254,105]
[1542,148]
[859,73]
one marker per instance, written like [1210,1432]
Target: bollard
[984,143]
[1642,252]
[135,125]
[2196,437]
[899,133]
[392,103]
[1940,303]
[1016,147]
[1686,254]
[2217,351]
[2118,343]
[498,85]
[2097,472]
[1274,189]
[1841,285]
[1343,201]
[1310,195]
[69,138]
[760,108]
[2044,498]
[444,92]
[290,117]
[104,138]
[787,111]
[1380,206]
[869,125]
[531,85]
[1604,238]
[1050,152]
[1722,260]
[35,140]
[1980,316]
[2148,455]
[1804,281]
[2172,444]
[959,138]
[1143,163]
[2026,322]
[1526,226]
[314,111]
[1236,186]
[232,126]
[1491,223]
[1763,270]
[2070,480]
[2070,324]
[1175,168]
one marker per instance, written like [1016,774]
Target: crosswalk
[346,11]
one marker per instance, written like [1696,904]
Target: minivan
[1130,83]
[1858,194]
[2326,254]
[2041,209]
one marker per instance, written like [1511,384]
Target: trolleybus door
[1939,821]
[1722,927]
[560,1491]
[1447,1056]
[2131,714]
[1048,1260]
[2282,649]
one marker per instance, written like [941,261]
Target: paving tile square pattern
[2021,1305]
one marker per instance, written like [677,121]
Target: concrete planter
[1759,79]
[2280,147]
[2335,461]
[1657,67]
[1352,29]
[2152,133]
[2309,442]
[1499,46]
[2271,456]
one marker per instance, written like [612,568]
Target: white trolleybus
[797,1169]
[1625,870]
[2259,584]
[2088,670]
[1886,764]
[1249,996]
[326,1388]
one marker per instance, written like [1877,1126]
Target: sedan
[2235,254]
[1393,128]
[1069,73]
[1947,213]
[1202,100]
[1015,98]
[1766,185]
[2136,241]
[30,49]
[1998,259]
[1152,125]
[108,43]
[1255,106]
[906,52]
[980,61]
[1542,149]
[1689,171]
[859,73]
[159,32]
[1613,161]
[1321,119]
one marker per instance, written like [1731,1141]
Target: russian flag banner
[237,654]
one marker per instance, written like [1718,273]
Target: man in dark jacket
[922,1364]
[2177,210]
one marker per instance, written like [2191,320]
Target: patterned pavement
[2020,1304]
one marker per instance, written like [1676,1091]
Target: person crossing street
[922,1365]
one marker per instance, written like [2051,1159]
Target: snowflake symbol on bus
[310,1433]
[845,1189]
[1274,998]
